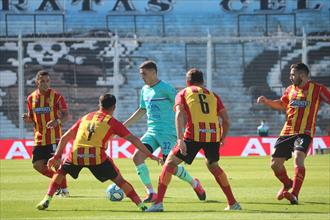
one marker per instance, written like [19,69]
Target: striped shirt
[42,109]
[93,132]
[302,105]
[202,107]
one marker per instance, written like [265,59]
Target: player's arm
[138,144]
[180,115]
[135,117]
[119,129]
[63,113]
[325,94]
[274,104]
[27,117]
[225,122]
[66,137]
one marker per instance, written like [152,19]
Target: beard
[296,82]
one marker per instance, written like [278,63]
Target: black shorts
[285,145]
[43,152]
[211,151]
[103,172]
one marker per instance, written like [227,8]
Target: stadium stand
[242,70]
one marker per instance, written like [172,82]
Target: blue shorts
[165,141]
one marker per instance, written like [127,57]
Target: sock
[299,175]
[53,186]
[222,180]
[130,192]
[183,174]
[164,180]
[63,184]
[143,172]
[283,177]
[48,173]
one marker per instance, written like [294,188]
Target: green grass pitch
[251,179]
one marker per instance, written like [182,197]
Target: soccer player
[301,102]
[198,112]
[91,134]
[157,100]
[47,110]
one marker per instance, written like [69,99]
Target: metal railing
[135,16]
[266,24]
[34,15]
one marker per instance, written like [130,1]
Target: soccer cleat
[200,191]
[150,198]
[63,192]
[292,198]
[44,203]
[235,206]
[155,208]
[280,194]
[142,207]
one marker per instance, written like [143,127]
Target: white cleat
[155,208]
[235,206]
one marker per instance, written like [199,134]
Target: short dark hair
[300,66]
[107,100]
[149,64]
[42,73]
[194,75]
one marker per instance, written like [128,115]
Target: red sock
[48,173]
[164,180]
[64,184]
[130,192]
[283,177]
[53,186]
[222,180]
[299,175]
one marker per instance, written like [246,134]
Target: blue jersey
[158,101]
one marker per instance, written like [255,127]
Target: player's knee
[275,166]
[211,165]
[39,167]
[138,157]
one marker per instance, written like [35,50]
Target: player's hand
[26,117]
[53,123]
[261,99]
[222,142]
[53,163]
[159,160]
[183,147]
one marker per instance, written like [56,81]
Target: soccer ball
[114,193]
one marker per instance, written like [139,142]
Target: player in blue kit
[157,101]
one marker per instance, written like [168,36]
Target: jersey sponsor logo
[299,103]
[86,155]
[42,110]
[203,130]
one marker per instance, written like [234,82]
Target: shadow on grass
[79,197]
[189,211]
[318,203]
[280,211]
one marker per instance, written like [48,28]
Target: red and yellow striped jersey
[42,109]
[302,105]
[93,132]
[202,107]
